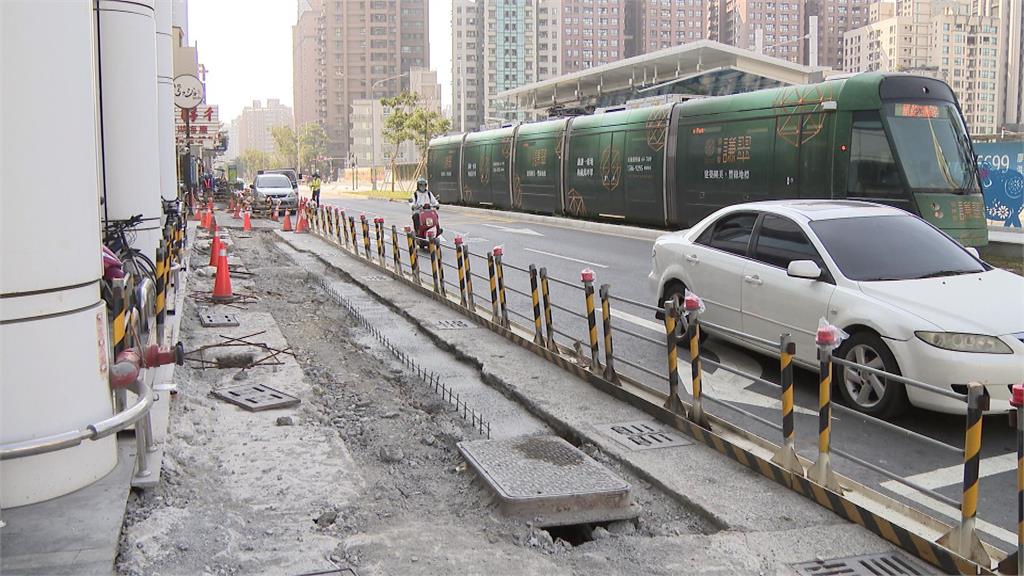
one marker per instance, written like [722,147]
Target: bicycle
[118,236]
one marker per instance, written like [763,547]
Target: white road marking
[955,474]
[524,231]
[564,257]
[653,326]
[946,510]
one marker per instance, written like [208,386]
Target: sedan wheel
[863,390]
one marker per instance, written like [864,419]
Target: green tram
[891,138]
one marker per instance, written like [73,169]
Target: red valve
[587,275]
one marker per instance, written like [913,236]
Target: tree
[423,125]
[312,147]
[284,146]
[399,109]
[253,161]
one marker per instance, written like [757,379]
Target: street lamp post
[373,129]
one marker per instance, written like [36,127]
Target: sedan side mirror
[804,269]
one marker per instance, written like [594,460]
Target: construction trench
[414,444]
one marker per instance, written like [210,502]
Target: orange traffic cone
[246,224]
[300,224]
[205,222]
[196,213]
[213,223]
[287,227]
[273,211]
[215,245]
[222,284]
[238,210]
[231,204]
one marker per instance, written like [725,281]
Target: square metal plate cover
[256,397]
[375,278]
[887,564]
[642,435]
[453,324]
[210,320]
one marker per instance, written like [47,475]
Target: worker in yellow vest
[314,185]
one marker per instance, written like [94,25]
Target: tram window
[873,171]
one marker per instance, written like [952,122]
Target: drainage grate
[452,324]
[549,481]
[641,435]
[210,320]
[375,278]
[256,397]
[887,564]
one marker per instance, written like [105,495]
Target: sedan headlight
[960,342]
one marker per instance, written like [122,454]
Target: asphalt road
[623,262]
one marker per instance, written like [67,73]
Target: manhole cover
[374,278]
[641,435]
[453,324]
[209,320]
[549,481]
[256,397]
[888,564]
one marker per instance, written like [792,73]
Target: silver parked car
[275,187]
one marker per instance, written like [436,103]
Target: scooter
[428,221]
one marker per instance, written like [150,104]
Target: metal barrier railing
[683,324]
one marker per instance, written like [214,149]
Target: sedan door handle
[755,280]
[692,258]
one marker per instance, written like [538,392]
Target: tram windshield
[933,147]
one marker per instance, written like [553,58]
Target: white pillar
[53,336]
[128,107]
[165,101]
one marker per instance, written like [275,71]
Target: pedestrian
[314,185]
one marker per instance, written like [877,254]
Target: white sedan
[914,301]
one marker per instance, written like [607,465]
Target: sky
[246,47]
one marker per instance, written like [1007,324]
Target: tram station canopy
[701,68]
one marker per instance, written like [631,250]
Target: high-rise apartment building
[498,45]
[368,146]
[345,50]
[661,24]
[1011,56]
[255,123]
[947,39]
[594,32]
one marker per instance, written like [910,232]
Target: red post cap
[336,210]
[498,250]
[378,220]
[362,217]
[458,240]
[826,336]
[407,229]
[1017,398]
[587,275]
[430,233]
[691,303]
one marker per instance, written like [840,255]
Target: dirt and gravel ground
[367,474]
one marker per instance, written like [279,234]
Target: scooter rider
[420,198]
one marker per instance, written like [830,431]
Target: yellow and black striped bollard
[440,265]
[538,329]
[673,327]
[414,263]
[606,326]
[378,225]
[963,539]
[461,261]
[499,272]
[118,313]
[546,296]
[786,456]
[469,278]
[587,276]
[493,277]
[365,225]
[432,249]
[344,227]
[821,472]
[161,297]
[692,306]
[170,297]
[395,252]
[1014,563]
[352,233]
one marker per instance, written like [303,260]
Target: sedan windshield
[932,147]
[892,248]
[273,181]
